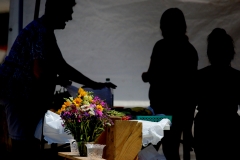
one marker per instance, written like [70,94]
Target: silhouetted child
[216,125]
[171,76]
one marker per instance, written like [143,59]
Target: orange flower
[62,109]
[59,111]
[64,106]
[67,103]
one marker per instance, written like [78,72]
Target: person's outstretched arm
[76,76]
[65,70]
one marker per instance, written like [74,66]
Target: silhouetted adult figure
[216,125]
[171,76]
[28,76]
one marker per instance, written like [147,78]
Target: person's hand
[101,85]
[110,85]
[63,81]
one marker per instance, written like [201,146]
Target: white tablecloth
[153,132]
[53,131]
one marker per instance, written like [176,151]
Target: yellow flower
[99,107]
[77,101]
[82,92]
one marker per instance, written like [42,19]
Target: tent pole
[20,16]
[37,6]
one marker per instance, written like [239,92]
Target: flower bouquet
[85,117]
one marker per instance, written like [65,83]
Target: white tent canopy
[114,39]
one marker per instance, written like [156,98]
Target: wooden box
[123,140]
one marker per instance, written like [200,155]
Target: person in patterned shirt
[29,73]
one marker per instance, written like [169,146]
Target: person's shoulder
[204,70]
[31,24]
[234,74]
[36,24]
[156,49]
[190,51]
[160,42]
[25,33]
[34,30]
[191,47]
[235,71]
[203,73]
[28,30]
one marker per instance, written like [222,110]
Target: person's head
[220,48]
[172,23]
[59,12]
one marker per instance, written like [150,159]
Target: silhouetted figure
[171,76]
[216,125]
[28,76]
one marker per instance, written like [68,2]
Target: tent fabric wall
[114,39]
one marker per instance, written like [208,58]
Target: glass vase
[94,150]
[82,148]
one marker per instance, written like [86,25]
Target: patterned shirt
[17,80]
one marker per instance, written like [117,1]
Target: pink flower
[98,112]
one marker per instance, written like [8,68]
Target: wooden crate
[123,140]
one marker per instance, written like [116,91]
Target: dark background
[4,19]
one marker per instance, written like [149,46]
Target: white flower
[85,107]
[91,112]
[108,124]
